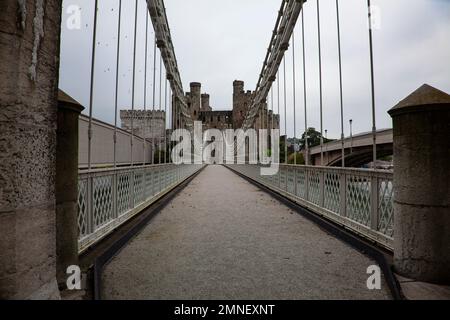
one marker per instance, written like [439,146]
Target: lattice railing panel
[124,192]
[139,188]
[332,187]
[103,200]
[283,181]
[291,180]
[156,181]
[359,199]
[301,183]
[148,183]
[386,207]
[82,208]
[314,187]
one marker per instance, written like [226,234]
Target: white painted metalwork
[279,43]
[109,197]
[357,199]
[165,45]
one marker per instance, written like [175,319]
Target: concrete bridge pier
[422,185]
[29,63]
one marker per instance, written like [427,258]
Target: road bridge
[357,149]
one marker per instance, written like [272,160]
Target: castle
[200,110]
[152,124]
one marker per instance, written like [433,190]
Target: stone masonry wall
[148,124]
[29,55]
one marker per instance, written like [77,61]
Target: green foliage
[313,138]
[296,158]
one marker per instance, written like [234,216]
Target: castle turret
[241,102]
[205,102]
[195,99]
[238,87]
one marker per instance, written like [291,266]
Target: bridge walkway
[223,238]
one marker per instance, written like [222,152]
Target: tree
[313,138]
[299,161]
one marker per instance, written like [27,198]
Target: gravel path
[223,238]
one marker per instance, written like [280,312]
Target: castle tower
[205,102]
[241,102]
[194,101]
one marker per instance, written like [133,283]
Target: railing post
[343,194]
[374,218]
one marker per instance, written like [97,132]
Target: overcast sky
[217,42]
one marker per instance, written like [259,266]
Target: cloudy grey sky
[217,42]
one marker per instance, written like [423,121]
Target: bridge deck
[223,238]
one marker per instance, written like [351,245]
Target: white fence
[109,197]
[360,200]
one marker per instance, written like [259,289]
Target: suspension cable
[145,85]
[285,113]
[278,98]
[305,91]
[117,83]
[340,85]
[159,106]
[320,83]
[272,103]
[133,81]
[153,104]
[165,120]
[91,93]
[372,78]
[293,93]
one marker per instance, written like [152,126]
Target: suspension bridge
[78,191]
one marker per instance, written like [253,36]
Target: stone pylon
[29,55]
[422,185]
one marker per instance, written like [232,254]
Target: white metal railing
[109,197]
[361,200]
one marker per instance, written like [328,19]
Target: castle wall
[217,119]
[148,124]
[103,145]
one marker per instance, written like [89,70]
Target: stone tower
[241,102]
[194,101]
[205,102]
